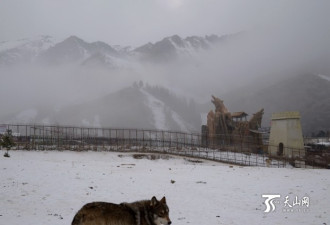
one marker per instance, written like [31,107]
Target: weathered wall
[286,130]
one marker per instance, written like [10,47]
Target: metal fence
[244,152]
[42,137]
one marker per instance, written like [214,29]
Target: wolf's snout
[169,222]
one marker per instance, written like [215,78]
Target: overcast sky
[136,22]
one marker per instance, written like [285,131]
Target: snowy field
[48,187]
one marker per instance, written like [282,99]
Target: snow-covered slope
[38,43]
[24,50]
[324,77]
[76,50]
[50,51]
[170,48]
[158,110]
[49,187]
[163,114]
[73,49]
[132,107]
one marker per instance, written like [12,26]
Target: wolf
[145,212]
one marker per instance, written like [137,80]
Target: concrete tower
[286,137]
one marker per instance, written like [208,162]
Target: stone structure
[220,121]
[224,127]
[247,131]
[286,138]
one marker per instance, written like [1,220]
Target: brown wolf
[145,212]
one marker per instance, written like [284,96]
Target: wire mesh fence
[246,151]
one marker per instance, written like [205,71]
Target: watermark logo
[288,203]
[269,202]
[296,204]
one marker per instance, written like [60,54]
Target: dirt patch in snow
[148,156]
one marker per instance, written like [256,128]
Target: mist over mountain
[44,50]
[71,81]
[308,93]
[136,106]
[24,50]
[74,49]
[171,48]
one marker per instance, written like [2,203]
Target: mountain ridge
[308,93]
[74,49]
[60,73]
[140,107]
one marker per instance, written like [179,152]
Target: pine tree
[7,141]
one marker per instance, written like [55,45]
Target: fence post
[143,139]
[163,140]
[150,138]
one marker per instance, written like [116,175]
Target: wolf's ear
[163,200]
[154,201]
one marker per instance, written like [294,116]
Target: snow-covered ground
[48,187]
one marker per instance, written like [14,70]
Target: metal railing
[236,150]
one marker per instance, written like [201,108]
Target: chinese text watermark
[288,203]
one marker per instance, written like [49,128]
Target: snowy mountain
[63,71]
[172,47]
[24,50]
[43,73]
[144,107]
[74,49]
[46,50]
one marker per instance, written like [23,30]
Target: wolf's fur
[146,212]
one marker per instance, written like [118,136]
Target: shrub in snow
[7,142]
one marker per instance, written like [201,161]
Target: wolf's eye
[161,214]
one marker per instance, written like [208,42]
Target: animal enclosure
[45,137]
